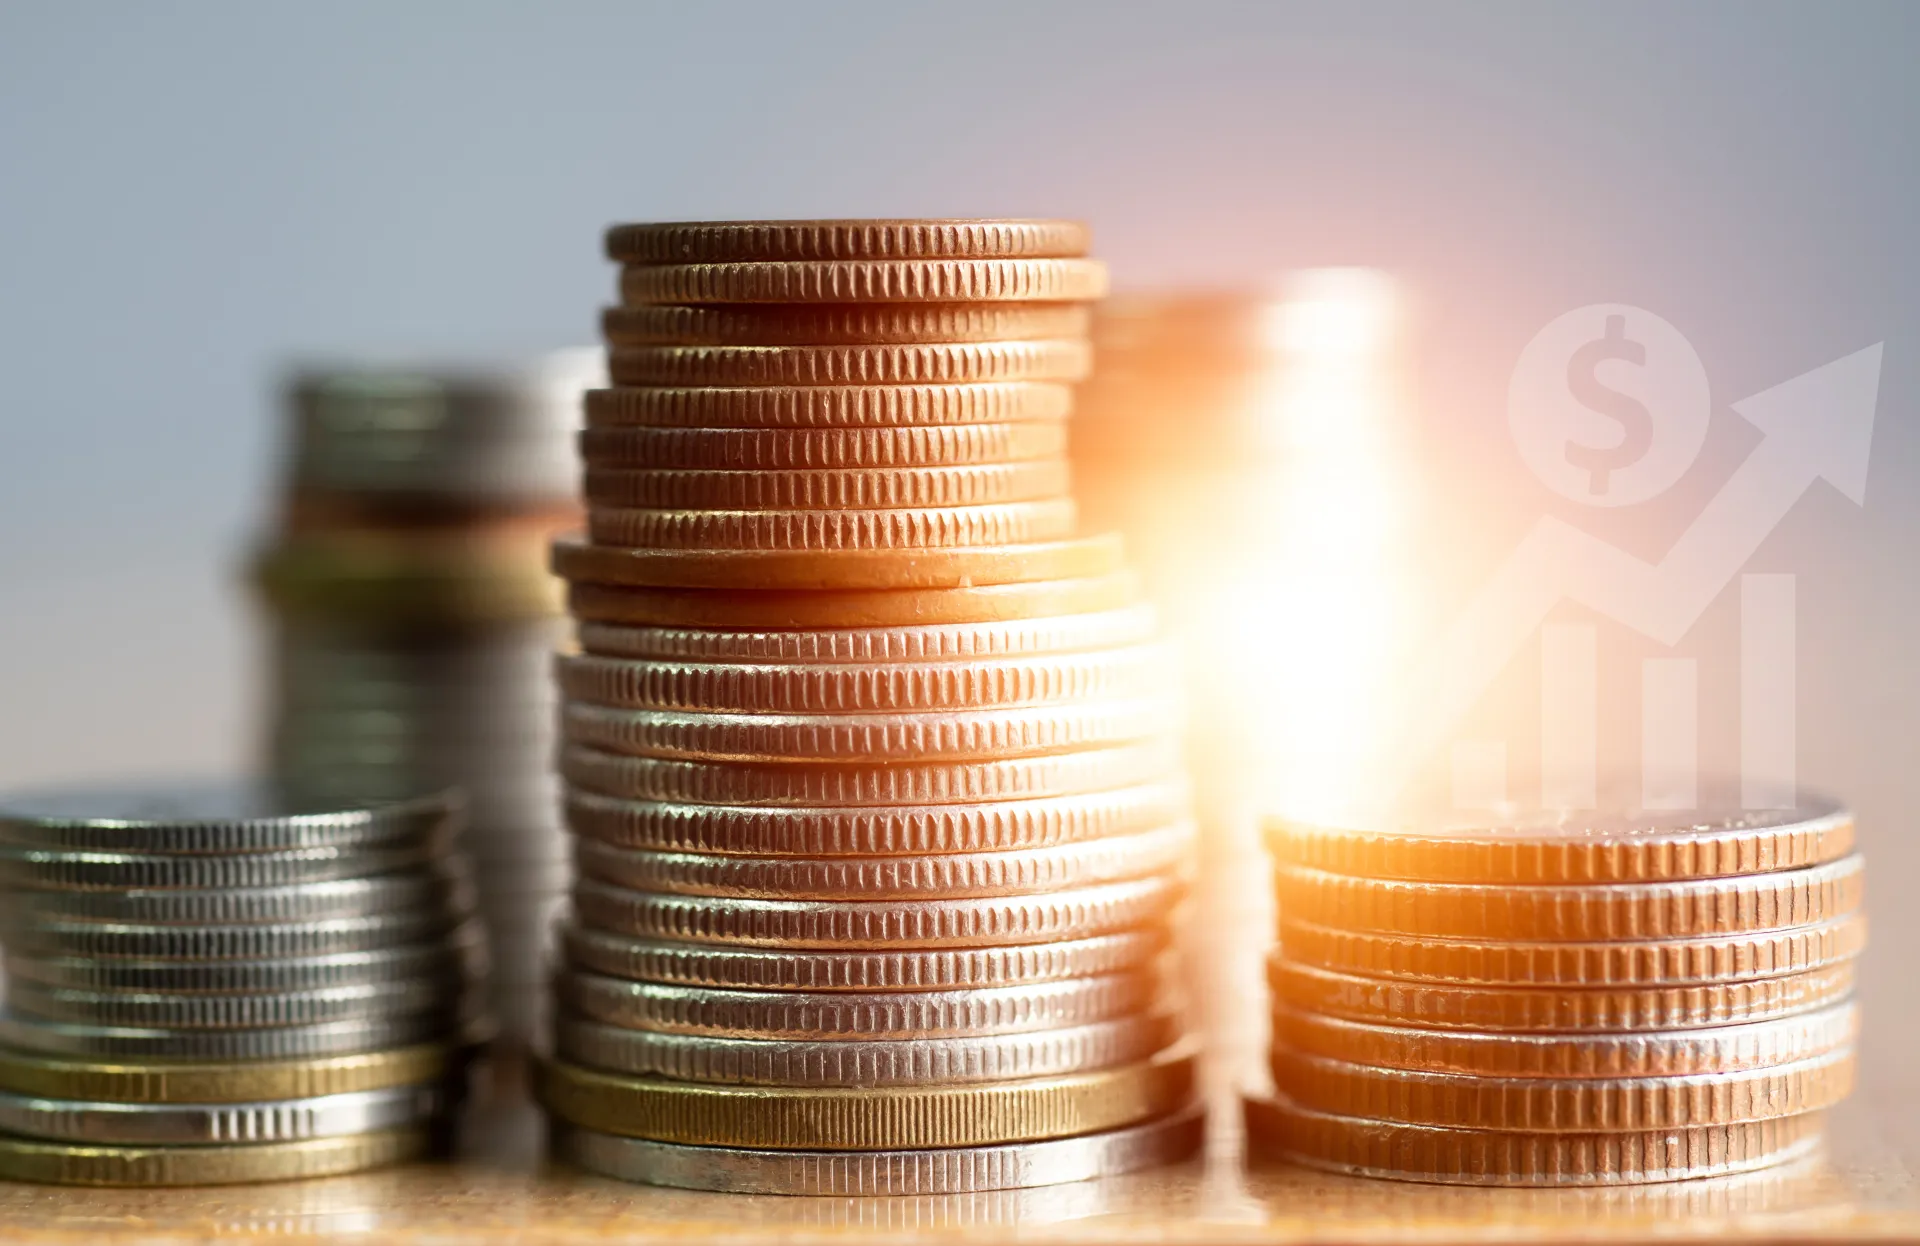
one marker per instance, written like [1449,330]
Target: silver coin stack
[219,984]
[872,765]
[415,619]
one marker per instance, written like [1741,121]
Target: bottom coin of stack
[213,985]
[1561,1001]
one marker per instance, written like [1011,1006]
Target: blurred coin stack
[1553,1001]
[870,763]
[222,985]
[415,620]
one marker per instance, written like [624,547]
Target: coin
[1583,913]
[718,1013]
[461,952]
[956,1060]
[65,1163]
[817,687]
[1573,846]
[804,406]
[331,1038]
[260,1010]
[802,784]
[420,577]
[1643,1055]
[1558,1010]
[780,449]
[1006,523]
[976,641]
[1508,1158]
[172,1124]
[1061,866]
[37,867]
[447,885]
[1670,962]
[1001,601]
[867,281]
[866,488]
[253,941]
[685,242]
[846,925]
[1084,568]
[864,363]
[850,738]
[784,969]
[202,1081]
[861,324]
[909,1118]
[889,830]
[1555,1105]
[211,818]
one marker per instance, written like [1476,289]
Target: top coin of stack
[869,759]
[1563,1000]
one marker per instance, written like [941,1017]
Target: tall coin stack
[221,985]
[870,763]
[1562,1001]
[415,620]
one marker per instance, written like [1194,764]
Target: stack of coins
[1555,1001]
[415,621]
[209,985]
[871,764]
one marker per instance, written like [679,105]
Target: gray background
[192,193]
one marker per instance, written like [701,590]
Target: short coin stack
[1562,1001]
[210,985]
[870,763]
[413,618]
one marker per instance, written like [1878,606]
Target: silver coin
[957,1060]
[712,1012]
[856,738]
[947,876]
[155,1010]
[785,969]
[884,831]
[796,688]
[930,643]
[927,783]
[35,867]
[447,886]
[957,1170]
[334,1038]
[213,818]
[462,953]
[261,941]
[844,925]
[166,1124]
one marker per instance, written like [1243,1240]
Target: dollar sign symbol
[1636,422]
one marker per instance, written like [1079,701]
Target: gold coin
[870,488]
[780,606]
[406,577]
[860,577]
[902,1118]
[867,281]
[1005,523]
[1575,913]
[1562,1010]
[1677,1053]
[781,449]
[687,242]
[835,406]
[60,1163]
[917,363]
[1646,962]
[1582,847]
[842,324]
[246,1081]
[1561,1105]
[1491,1157]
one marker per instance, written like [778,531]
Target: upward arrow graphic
[1817,425]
